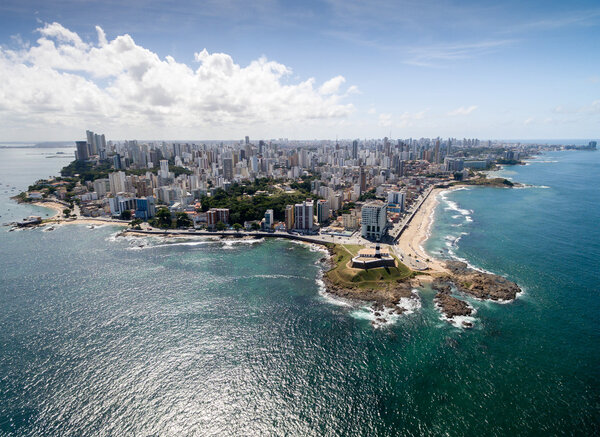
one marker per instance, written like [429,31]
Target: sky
[223,69]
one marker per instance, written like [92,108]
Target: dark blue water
[99,336]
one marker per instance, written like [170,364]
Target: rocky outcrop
[478,284]
[473,283]
[388,294]
[451,306]
[385,299]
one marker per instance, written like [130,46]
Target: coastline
[56,207]
[58,211]
[449,276]
[418,231]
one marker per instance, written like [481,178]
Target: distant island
[43,145]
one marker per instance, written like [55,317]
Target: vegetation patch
[345,276]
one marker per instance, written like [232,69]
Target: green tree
[255,226]
[126,215]
[221,226]
[183,220]
[163,218]
[237,226]
[67,212]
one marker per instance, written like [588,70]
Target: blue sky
[409,68]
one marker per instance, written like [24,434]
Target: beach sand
[417,232]
[58,217]
[54,206]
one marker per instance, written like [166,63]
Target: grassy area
[342,275]
[353,248]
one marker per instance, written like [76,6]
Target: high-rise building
[363,181]
[228,169]
[117,182]
[289,217]
[144,207]
[101,186]
[269,218]
[304,215]
[82,150]
[374,220]
[355,149]
[323,211]
[247,139]
[117,164]
[437,152]
[164,169]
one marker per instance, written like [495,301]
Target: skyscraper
[82,150]
[164,169]
[323,211]
[228,169]
[355,149]
[362,181]
[289,217]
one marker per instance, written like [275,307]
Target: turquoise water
[99,336]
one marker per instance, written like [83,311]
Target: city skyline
[323,70]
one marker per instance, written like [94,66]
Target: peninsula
[369,203]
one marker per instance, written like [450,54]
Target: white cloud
[528,121]
[385,120]
[332,85]
[462,110]
[62,80]
[436,55]
[372,111]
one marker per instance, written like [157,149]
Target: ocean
[102,335]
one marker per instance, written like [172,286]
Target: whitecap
[388,316]
[275,276]
[457,321]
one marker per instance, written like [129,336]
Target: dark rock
[452,306]
[475,283]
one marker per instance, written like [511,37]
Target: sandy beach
[417,232]
[54,206]
[58,216]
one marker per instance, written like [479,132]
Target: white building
[304,216]
[117,182]
[101,186]
[374,220]
[164,169]
[269,219]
